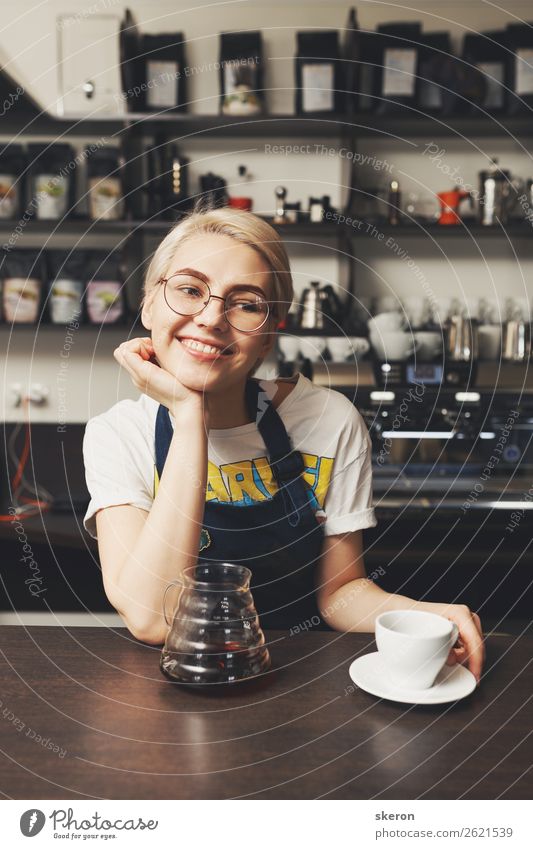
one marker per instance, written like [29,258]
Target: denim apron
[279,539]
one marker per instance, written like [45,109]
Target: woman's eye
[248,306]
[191,291]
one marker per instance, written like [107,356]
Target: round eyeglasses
[244,309]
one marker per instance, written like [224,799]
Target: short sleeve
[113,470]
[348,505]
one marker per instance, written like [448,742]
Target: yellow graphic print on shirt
[251,481]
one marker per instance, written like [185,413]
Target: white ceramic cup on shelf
[441,309]
[413,646]
[358,346]
[339,347]
[393,344]
[430,344]
[289,347]
[387,321]
[416,311]
[313,347]
[344,348]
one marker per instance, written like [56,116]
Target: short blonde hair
[237,224]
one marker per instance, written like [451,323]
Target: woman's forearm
[169,539]
[355,605]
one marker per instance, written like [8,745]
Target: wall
[28,46]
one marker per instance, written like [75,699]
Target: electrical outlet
[38,393]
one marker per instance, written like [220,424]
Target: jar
[215,636]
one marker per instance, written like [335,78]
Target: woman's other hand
[470,648]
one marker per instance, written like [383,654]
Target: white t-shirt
[119,455]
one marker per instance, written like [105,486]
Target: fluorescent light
[418,434]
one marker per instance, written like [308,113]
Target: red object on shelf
[241,203]
[449,202]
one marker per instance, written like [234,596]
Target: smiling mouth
[207,350]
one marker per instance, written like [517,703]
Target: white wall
[28,47]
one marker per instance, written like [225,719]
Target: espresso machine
[435,426]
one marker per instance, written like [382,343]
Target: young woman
[211,462]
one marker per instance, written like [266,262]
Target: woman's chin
[197,378]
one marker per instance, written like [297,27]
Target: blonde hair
[237,224]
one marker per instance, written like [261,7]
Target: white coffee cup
[413,646]
[430,344]
[416,310]
[339,347]
[393,344]
[442,309]
[313,347]
[343,348]
[358,346]
[289,347]
[386,321]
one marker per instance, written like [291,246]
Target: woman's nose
[213,315]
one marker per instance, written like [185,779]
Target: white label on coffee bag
[162,79]
[318,87]
[399,72]
[494,80]
[524,71]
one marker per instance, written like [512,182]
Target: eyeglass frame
[164,280]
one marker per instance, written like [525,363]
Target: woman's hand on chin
[137,357]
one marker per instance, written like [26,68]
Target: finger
[141,346]
[451,660]
[149,378]
[477,622]
[138,366]
[472,651]
[146,350]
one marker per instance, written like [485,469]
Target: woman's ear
[146,313]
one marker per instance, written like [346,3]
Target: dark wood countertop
[120,730]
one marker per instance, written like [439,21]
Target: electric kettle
[320,308]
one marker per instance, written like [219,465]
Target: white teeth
[198,346]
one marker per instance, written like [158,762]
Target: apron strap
[286,463]
[163,438]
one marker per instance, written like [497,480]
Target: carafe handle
[172,584]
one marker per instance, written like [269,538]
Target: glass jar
[215,636]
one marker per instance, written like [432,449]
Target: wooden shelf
[468,230]
[80,226]
[404,124]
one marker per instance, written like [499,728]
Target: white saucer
[453,683]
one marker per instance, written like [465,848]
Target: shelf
[410,124]
[469,229]
[183,125]
[85,225]
[404,124]
[366,229]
